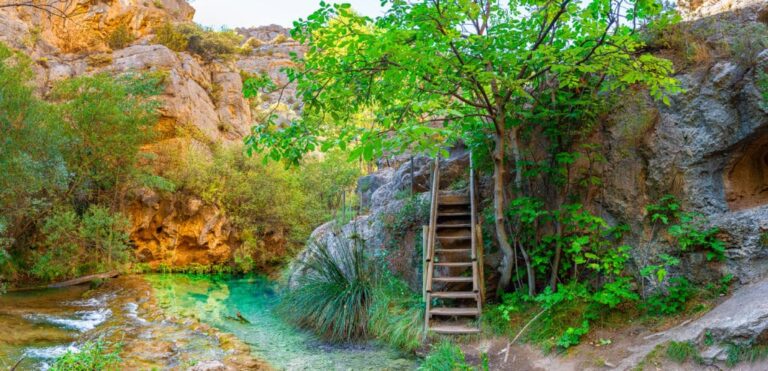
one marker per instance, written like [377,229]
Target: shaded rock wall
[707,148]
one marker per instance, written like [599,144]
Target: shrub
[76,245]
[120,37]
[279,39]
[673,300]
[71,154]
[446,356]
[762,85]
[168,35]
[333,297]
[207,43]
[93,355]
[397,315]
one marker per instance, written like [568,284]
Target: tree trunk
[498,208]
[558,254]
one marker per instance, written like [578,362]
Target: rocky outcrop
[383,196]
[202,106]
[707,148]
[740,320]
[694,9]
[179,230]
[86,26]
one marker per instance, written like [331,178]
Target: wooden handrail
[433,222]
[477,248]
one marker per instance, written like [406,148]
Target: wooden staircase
[453,277]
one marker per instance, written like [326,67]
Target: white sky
[247,13]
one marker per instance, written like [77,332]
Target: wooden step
[454,311]
[452,279]
[454,329]
[454,213]
[454,264]
[455,238]
[452,200]
[452,251]
[446,226]
[454,295]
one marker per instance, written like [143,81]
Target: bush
[92,356]
[446,356]
[762,85]
[120,37]
[76,245]
[333,296]
[207,43]
[673,300]
[745,353]
[171,37]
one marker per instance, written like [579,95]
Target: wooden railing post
[431,237]
[477,248]
[424,258]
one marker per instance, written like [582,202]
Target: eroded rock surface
[202,105]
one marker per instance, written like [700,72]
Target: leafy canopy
[431,72]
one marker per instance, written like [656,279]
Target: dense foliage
[65,165]
[498,75]
[262,198]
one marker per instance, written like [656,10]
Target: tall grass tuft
[397,315]
[334,296]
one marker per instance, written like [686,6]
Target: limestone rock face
[89,24]
[692,9]
[179,230]
[202,106]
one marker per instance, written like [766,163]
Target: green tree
[488,72]
[105,122]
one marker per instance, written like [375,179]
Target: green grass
[334,296]
[682,351]
[445,356]
[397,315]
[745,353]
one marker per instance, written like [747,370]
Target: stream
[174,322]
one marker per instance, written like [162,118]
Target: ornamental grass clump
[333,296]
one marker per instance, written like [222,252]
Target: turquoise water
[216,300]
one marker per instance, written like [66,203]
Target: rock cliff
[202,105]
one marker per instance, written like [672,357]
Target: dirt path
[741,318]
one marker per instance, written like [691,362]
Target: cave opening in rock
[746,179]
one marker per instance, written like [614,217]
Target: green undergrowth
[445,356]
[397,314]
[93,355]
[333,298]
[745,353]
[345,295]
[683,351]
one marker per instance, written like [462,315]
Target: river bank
[174,322]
